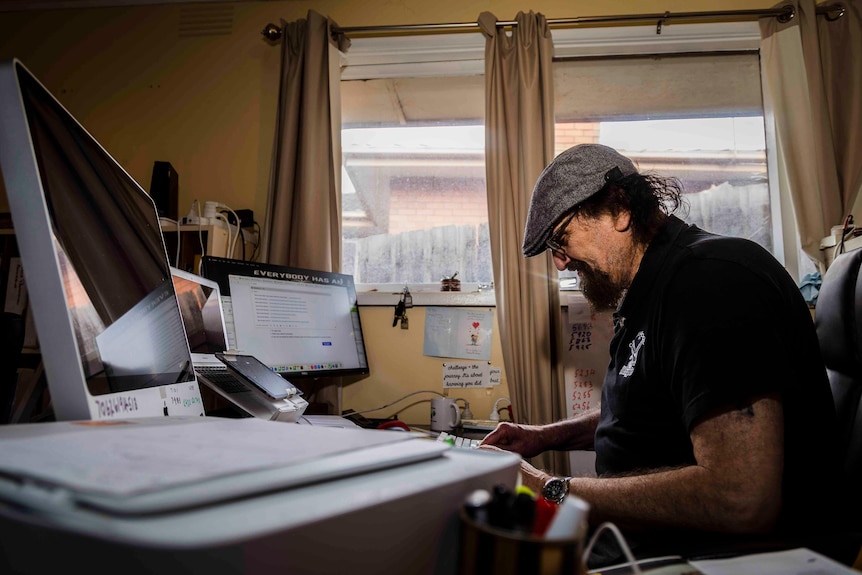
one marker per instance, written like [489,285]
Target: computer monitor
[106,313]
[302,323]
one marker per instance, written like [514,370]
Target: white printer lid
[155,465]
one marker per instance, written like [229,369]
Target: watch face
[555,489]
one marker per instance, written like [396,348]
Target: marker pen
[524,489]
[500,509]
[523,513]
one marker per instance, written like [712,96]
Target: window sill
[426,295]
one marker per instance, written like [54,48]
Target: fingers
[491,438]
[499,437]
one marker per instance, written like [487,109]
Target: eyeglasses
[555,242]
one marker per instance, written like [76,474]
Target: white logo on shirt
[635,347]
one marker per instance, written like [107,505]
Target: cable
[200,232]
[242,243]
[238,228]
[396,401]
[179,243]
[846,229]
[495,411]
[621,541]
[257,244]
[230,235]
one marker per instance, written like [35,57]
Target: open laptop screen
[200,307]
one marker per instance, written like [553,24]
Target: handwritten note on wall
[476,374]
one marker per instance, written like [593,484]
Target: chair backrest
[838,317]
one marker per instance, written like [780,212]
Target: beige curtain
[812,68]
[303,222]
[519,138]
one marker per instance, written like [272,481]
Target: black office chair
[838,318]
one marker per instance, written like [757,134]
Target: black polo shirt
[710,322]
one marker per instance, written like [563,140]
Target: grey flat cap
[568,180]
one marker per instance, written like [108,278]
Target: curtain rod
[784,14]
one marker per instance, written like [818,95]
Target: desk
[402,519]
[797,561]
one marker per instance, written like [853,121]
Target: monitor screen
[301,323]
[106,313]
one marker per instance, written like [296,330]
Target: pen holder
[486,550]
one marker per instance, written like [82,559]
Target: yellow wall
[398,368]
[205,104]
[149,92]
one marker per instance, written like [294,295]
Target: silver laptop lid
[200,307]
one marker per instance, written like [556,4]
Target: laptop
[200,307]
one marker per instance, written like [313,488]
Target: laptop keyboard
[222,379]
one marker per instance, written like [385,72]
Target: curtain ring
[787,15]
[836,9]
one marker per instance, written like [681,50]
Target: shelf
[212,239]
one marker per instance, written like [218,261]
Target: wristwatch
[556,489]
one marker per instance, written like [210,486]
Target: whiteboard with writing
[586,340]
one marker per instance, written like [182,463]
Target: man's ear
[623,221]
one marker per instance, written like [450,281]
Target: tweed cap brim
[572,177]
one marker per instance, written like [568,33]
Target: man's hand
[531,477]
[519,438]
[531,440]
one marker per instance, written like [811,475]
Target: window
[686,103]
[720,161]
[414,205]
[696,117]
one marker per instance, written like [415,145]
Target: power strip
[196,220]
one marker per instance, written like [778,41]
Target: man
[716,422]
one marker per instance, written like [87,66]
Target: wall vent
[206,20]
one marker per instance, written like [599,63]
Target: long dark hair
[650,199]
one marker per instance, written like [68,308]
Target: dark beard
[601,291]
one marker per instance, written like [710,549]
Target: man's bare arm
[735,486]
[530,440]
[578,432]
